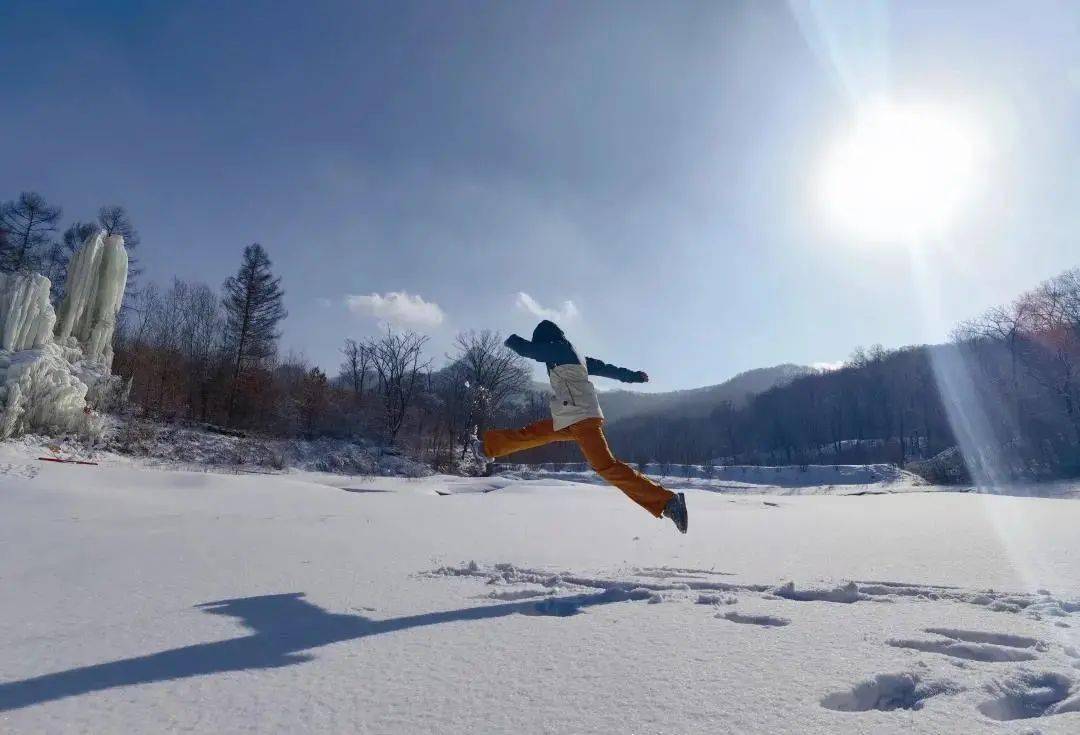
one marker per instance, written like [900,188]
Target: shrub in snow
[190,446]
[947,468]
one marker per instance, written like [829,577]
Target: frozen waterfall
[26,316]
[96,280]
[45,379]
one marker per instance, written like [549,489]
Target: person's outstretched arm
[604,370]
[540,351]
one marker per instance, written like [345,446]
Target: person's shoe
[676,511]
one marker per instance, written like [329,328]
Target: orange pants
[590,437]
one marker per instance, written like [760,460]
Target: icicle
[27,316]
[112,280]
[96,281]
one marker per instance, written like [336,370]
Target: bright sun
[899,173]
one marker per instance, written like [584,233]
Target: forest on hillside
[1021,359]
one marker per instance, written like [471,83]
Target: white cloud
[566,313]
[827,366]
[324,302]
[397,308]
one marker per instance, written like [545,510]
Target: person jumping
[576,416]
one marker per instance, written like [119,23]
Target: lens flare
[899,173]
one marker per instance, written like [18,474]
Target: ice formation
[45,378]
[27,316]
[96,280]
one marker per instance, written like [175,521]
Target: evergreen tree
[29,223]
[253,307]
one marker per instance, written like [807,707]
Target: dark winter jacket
[550,346]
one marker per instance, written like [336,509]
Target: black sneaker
[676,511]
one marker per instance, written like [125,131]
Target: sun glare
[899,172]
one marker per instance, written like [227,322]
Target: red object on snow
[65,461]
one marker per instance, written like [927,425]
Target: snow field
[149,600]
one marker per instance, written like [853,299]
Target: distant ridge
[695,402]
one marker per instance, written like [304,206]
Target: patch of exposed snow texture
[45,383]
[141,600]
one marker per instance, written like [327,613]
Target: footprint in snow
[767,621]
[887,692]
[1031,694]
[25,471]
[999,639]
[974,645]
[970,651]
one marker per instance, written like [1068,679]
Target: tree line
[195,357]
[1027,357]
[188,351]
[1020,360]
[31,239]
[197,354]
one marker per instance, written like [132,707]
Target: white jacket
[574,396]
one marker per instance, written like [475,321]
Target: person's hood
[548,331]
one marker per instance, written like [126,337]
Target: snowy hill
[144,600]
[624,404]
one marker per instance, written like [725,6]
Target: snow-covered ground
[144,600]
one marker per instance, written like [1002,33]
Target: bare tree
[202,340]
[314,398]
[115,220]
[398,363]
[494,372]
[1051,354]
[166,337]
[355,365]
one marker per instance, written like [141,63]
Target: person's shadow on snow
[283,626]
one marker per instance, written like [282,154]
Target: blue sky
[646,171]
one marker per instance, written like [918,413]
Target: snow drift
[45,378]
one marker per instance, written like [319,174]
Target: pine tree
[29,223]
[253,305]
